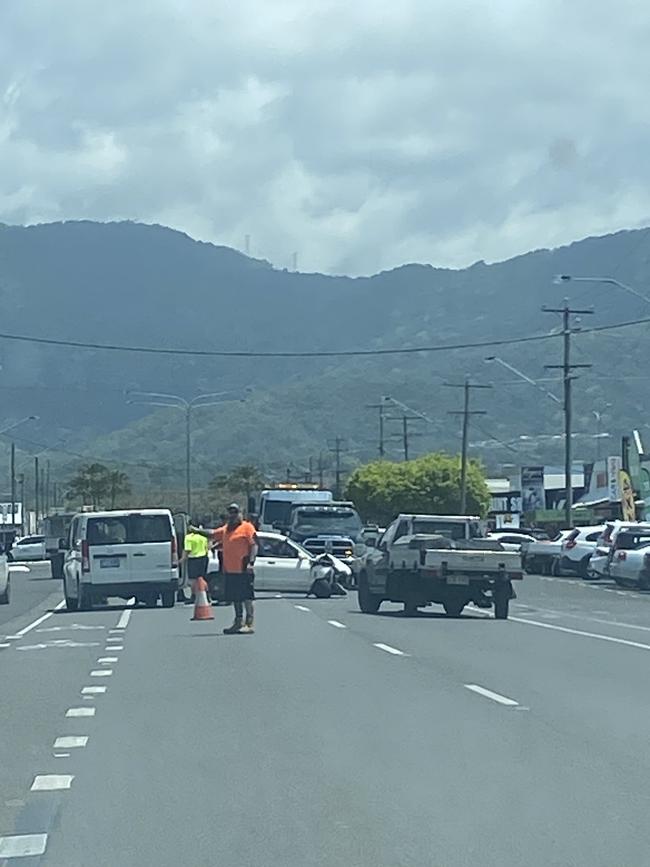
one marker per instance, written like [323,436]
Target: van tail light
[174,552]
[570,544]
[85,556]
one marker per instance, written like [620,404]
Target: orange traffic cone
[202,608]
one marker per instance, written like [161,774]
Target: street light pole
[523,376]
[177,401]
[569,278]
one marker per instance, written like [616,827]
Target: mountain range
[130,284]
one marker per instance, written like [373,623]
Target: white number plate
[457,579]
[109,563]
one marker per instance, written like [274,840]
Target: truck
[441,559]
[276,503]
[329,528]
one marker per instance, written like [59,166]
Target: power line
[332,353]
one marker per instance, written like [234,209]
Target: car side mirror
[63,545]
[382,546]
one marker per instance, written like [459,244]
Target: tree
[244,479]
[95,484]
[430,484]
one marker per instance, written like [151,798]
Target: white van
[121,553]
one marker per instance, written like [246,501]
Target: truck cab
[329,528]
[276,504]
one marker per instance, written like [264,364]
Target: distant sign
[5,514]
[532,489]
[614,468]
[628,508]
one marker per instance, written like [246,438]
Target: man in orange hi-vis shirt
[237,541]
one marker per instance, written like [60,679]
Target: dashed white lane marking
[389,649]
[80,711]
[70,742]
[102,672]
[123,622]
[93,690]
[494,696]
[5,644]
[337,624]
[112,647]
[22,845]
[38,621]
[582,633]
[107,659]
[61,755]
[114,638]
[115,632]
[302,608]
[51,782]
[71,628]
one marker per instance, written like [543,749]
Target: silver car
[5,584]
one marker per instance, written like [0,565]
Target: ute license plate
[109,563]
[458,579]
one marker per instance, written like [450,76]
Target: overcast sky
[359,134]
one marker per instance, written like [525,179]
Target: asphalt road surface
[137,737]
[28,590]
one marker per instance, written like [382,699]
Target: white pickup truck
[421,566]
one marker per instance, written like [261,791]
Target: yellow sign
[628,509]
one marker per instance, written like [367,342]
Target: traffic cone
[202,608]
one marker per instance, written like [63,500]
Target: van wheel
[453,607]
[71,604]
[4,597]
[501,597]
[150,599]
[168,598]
[84,598]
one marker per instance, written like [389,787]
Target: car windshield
[316,521]
[276,512]
[449,529]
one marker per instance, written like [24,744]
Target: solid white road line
[102,672]
[337,624]
[582,633]
[123,622]
[487,693]
[389,649]
[70,742]
[93,690]
[51,782]
[5,644]
[22,845]
[80,711]
[302,608]
[104,659]
[37,622]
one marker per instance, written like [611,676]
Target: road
[28,590]
[330,737]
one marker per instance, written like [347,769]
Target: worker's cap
[234,507]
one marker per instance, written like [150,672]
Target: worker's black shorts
[239,586]
[197,567]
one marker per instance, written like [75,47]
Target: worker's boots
[236,628]
[248,627]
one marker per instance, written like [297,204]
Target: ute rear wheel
[501,596]
[168,598]
[368,602]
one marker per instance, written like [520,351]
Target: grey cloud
[361,135]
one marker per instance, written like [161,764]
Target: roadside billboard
[532,489]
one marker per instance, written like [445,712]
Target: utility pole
[13,486]
[566,367]
[382,445]
[37,479]
[321,470]
[466,413]
[405,435]
[337,449]
[21,482]
[47,487]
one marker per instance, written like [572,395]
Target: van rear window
[129,529]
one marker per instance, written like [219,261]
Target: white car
[5,583]
[28,548]
[577,549]
[601,557]
[542,557]
[511,541]
[283,565]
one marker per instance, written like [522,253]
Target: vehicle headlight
[347,552]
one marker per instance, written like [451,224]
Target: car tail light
[622,555]
[85,556]
[570,543]
[516,576]
[174,553]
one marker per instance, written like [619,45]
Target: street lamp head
[490,358]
